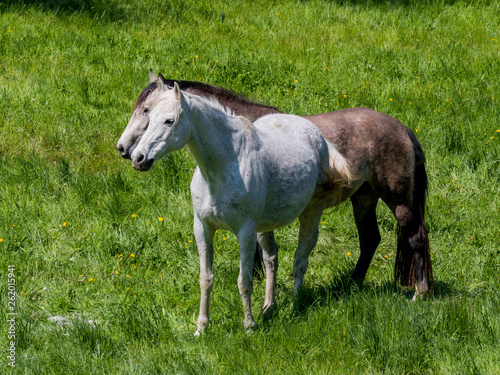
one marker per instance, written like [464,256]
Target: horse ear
[152,76]
[178,94]
[160,84]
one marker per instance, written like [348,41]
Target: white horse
[250,180]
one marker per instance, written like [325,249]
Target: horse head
[167,130]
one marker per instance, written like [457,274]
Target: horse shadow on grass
[342,286]
[383,3]
[101,9]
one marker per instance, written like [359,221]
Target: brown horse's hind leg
[364,203]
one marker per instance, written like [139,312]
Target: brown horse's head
[139,121]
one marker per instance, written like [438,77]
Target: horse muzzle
[126,148]
[141,163]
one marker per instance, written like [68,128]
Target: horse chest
[221,206]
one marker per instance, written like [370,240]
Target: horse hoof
[268,312]
[250,326]
[419,295]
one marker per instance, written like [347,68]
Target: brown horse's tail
[413,242]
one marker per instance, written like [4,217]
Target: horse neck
[239,105]
[249,110]
[216,138]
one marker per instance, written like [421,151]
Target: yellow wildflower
[160,219]
[91,279]
[348,254]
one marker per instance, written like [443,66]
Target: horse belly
[287,197]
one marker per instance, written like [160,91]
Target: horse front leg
[247,237]
[204,236]
[270,256]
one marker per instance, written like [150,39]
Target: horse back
[377,146]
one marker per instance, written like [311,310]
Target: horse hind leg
[308,236]
[364,203]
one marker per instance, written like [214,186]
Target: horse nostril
[140,158]
[121,150]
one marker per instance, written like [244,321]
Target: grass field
[111,250]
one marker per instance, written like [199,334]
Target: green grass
[82,227]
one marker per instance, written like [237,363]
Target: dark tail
[413,258]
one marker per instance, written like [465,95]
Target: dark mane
[144,94]
[199,88]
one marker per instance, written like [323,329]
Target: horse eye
[146,111]
[169,121]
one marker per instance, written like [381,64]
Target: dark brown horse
[386,162]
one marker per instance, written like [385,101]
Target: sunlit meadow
[105,267]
